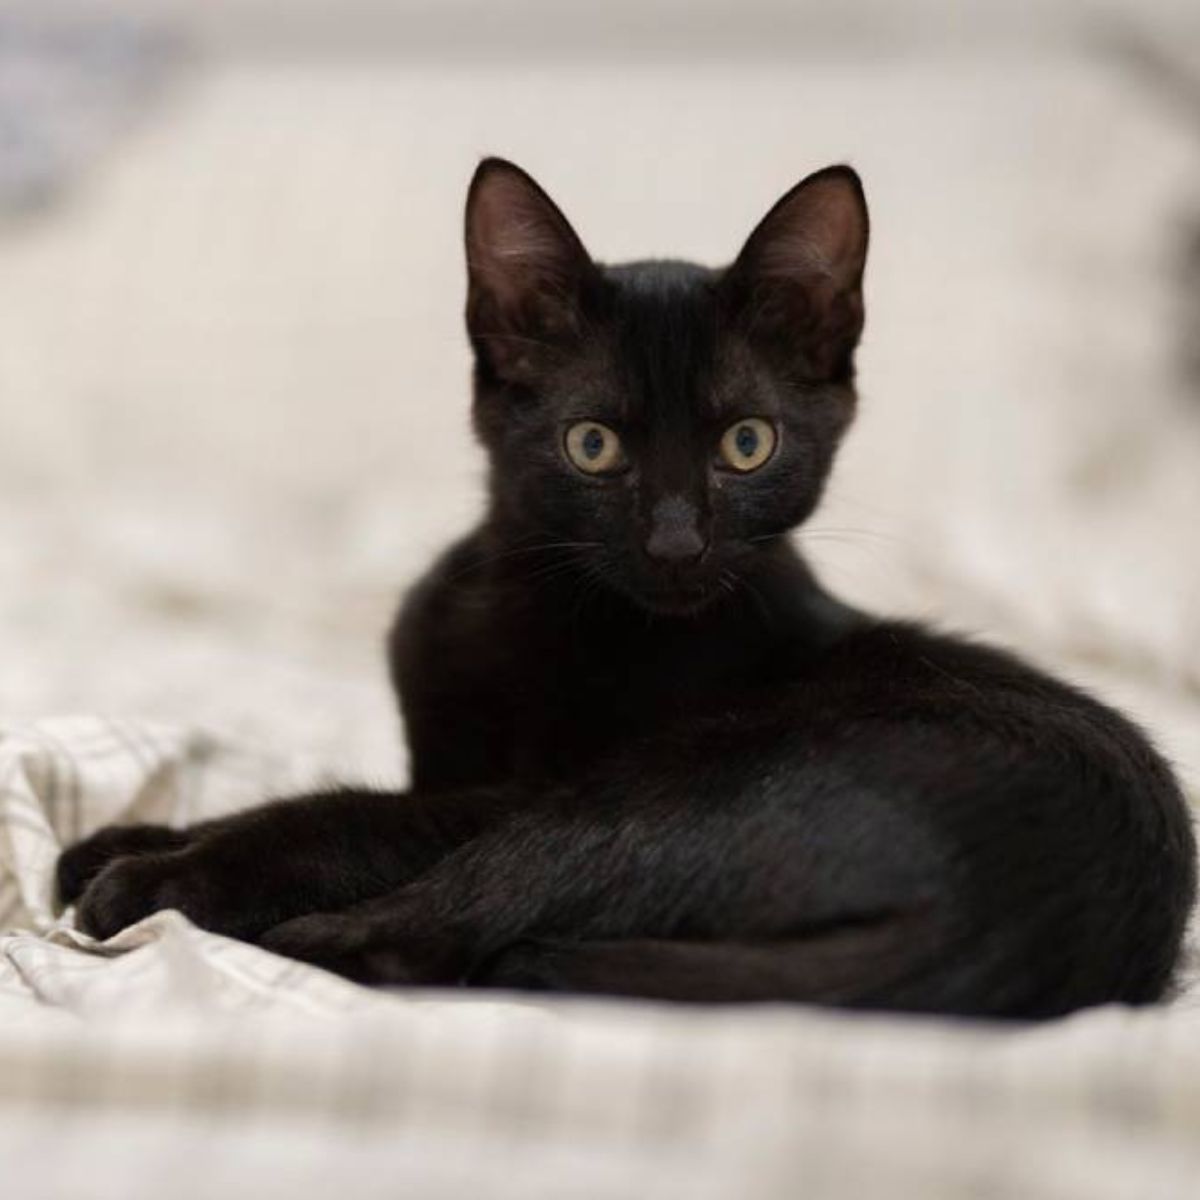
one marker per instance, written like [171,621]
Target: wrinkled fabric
[171,1058]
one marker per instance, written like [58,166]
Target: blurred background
[233,379]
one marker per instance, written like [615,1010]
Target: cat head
[664,422]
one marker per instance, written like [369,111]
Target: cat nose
[676,545]
[674,533]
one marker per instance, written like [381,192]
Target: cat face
[662,421]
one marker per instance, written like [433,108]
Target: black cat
[651,755]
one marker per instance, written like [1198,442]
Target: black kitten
[651,755]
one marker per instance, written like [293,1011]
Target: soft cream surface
[172,1059]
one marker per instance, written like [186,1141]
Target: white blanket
[171,1061]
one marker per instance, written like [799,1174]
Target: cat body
[651,755]
[880,815]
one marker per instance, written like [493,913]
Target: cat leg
[247,872]
[822,895]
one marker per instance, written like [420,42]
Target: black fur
[652,756]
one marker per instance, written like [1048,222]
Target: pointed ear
[527,273]
[796,287]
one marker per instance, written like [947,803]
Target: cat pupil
[593,443]
[747,441]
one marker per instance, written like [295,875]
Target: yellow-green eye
[594,448]
[748,443]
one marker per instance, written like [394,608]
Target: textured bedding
[171,1061]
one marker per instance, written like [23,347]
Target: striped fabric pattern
[169,1061]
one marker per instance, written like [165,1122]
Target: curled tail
[875,964]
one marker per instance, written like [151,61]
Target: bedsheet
[169,1061]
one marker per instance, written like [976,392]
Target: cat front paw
[81,863]
[131,888]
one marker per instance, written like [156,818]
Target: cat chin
[681,603]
